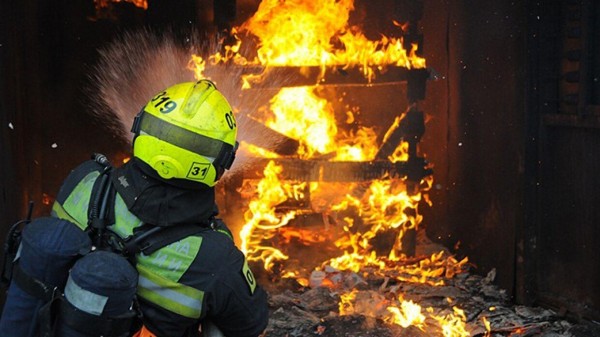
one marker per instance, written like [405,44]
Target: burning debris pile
[373,304]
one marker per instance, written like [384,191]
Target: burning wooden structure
[279,190]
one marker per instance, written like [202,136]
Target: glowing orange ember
[47,199]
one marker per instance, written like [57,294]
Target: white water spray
[138,65]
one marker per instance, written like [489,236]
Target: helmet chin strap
[135,127]
[225,159]
[226,156]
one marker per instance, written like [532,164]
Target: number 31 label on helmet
[198,171]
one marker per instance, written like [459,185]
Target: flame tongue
[298,32]
[299,114]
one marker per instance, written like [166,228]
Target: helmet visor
[222,153]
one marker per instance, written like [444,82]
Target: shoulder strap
[11,246]
[100,202]
[148,241]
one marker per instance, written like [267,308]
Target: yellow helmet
[188,131]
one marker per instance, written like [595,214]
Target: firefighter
[184,140]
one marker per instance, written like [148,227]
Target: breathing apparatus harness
[145,239]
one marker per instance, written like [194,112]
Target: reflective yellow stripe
[175,297]
[59,212]
[76,204]
[125,221]
[172,261]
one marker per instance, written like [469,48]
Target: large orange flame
[315,33]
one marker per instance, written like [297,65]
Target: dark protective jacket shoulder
[236,304]
[231,298]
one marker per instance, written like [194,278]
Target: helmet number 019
[167,104]
[230,120]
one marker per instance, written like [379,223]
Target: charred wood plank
[270,139]
[260,77]
[342,171]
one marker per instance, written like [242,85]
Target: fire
[300,114]
[453,324]
[317,33]
[436,267]
[405,313]
[101,4]
[357,146]
[382,205]
[298,32]
[409,313]
[104,8]
[488,327]
[346,306]
[197,64]
[314,33]
[261,219]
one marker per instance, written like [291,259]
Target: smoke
[137,65]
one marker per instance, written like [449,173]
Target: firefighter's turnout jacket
[203,276]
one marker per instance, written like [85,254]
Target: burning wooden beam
[341,171]
[259,77]
[272,140]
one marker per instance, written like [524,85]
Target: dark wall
[476,136]
[563,183]
[517,185]
[49,52]
[567,273]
